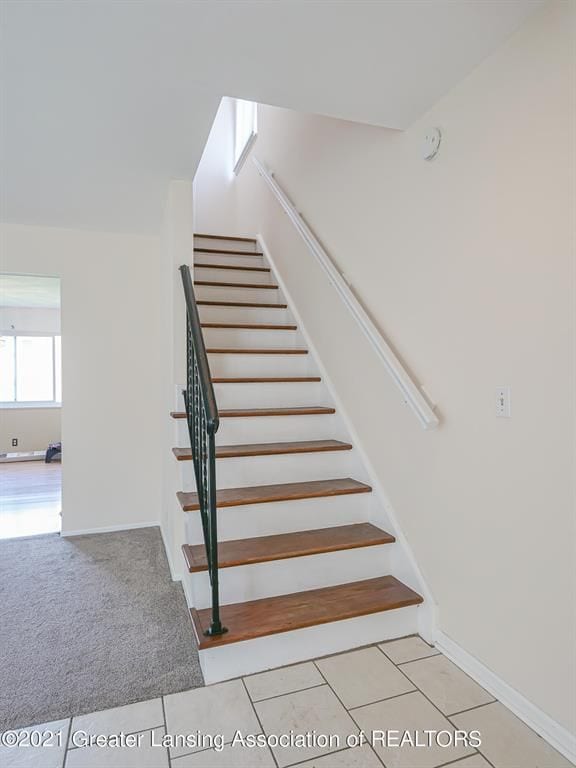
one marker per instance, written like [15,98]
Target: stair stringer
[405,566]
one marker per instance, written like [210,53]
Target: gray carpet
[89,623]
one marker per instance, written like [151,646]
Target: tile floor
[403,685]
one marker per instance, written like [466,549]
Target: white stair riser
[282,577]
[268,470]
[230,275]
[233,259]
[256,295]
[283,517]
[248,338]
[226,245]
[271,429]
[276,395]
[210,314]
[250,656]
[232,364]
[264,395]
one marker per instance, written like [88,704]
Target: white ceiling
[104,102]
[30,291]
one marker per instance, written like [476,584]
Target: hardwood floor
[30,498]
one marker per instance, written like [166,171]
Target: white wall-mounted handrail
[411,393]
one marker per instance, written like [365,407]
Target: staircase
[304,564]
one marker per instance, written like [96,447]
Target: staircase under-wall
[306,552]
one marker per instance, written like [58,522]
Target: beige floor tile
[142,716]
[412,712]
[38,757]
[474,761]
[316,709]
[216,710]
[362,677]
[407,649]
[507,742]
[146,755]
[357,757]
[446,685]
[230,757]
[284,680]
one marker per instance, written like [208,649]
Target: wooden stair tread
[256,351]
[231,266]
[226,237]
[284,613]
[218,284]
[266,380]
[268,449]
[301,410]
[230,251]
[251,326]
[263,494]
[240,304]
[287,545]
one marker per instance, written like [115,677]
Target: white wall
[111,340]
[177,238]
[466,264]
[34,428]
[215,173]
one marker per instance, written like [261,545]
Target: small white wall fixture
[411,392]
[431,144]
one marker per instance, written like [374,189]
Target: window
[30,369]
[245,131]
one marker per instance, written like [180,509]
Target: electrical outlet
[503,406]
[14,442]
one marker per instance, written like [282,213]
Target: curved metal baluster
[202,419]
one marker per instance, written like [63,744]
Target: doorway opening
[30,405]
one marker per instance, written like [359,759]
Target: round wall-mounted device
[431,143]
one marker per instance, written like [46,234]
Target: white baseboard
[108,529]
[554,733]
[7,458]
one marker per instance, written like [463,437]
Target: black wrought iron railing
[202,418]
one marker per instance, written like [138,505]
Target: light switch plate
[503,405]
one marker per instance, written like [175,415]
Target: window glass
[246,126]
[35,372]
[7,369]
[58,366]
